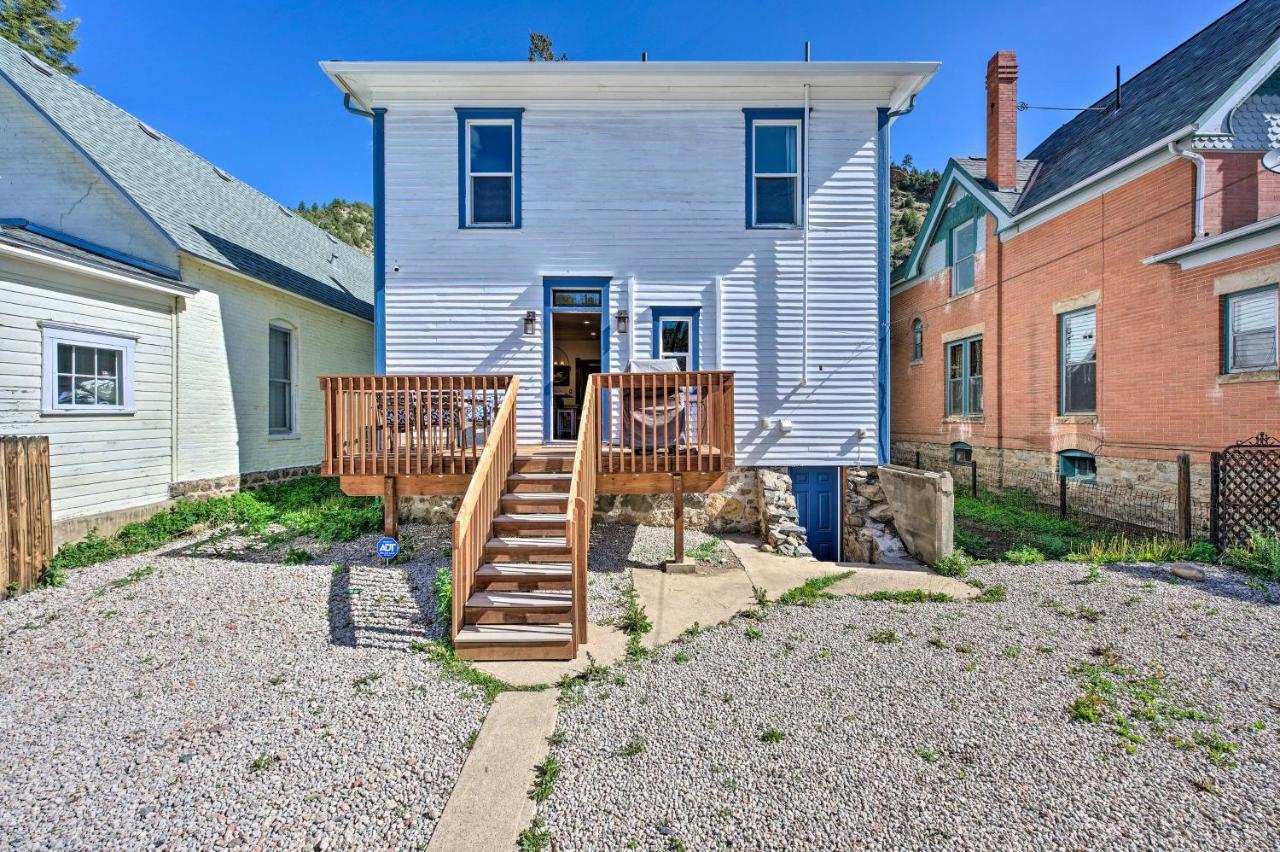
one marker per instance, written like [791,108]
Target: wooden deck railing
[582,501]
[408,425]
[666,422]
[474,522]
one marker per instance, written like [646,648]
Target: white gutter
[1227,238]
[1199,200]
[175,289]
[804,188]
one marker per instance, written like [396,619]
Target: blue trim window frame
[550,284]
[789,168]
[491,172]
[964,378]
[1078,465]
[961,453]
[1078,361]
[1249,330]
[964,250]
[665,346]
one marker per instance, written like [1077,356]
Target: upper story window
[86,371]
[280,379]
[1078,362]
[964,377]
[1250,320]
[489,168]
[964,245]
[917,340]
[675,336]
[774,149]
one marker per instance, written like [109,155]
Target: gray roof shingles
[226,222]
[17,235]
[976,168]
[1158,101]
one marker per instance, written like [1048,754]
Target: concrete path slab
[875,578]
[605,644]
[490,804]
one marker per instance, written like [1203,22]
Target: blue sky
[238,81]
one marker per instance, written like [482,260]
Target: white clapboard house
[540,224]
[163,323]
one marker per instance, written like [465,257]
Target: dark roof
[202,210]
[1160,100]
[18,235]
[976,168]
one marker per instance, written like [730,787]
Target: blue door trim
[692,313]
[819,500]
[550,283]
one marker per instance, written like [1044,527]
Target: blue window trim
[966,378]
[693,314]
[1062,360]
[549,284]
[1069,465]
[753,115]
[957,446]
[1226,327]
[514,115]
[883,119]
[952,260]
[379,240]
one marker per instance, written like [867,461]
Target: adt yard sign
[388,548]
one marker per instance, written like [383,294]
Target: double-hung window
[280,400]
[964,245]
[1250,320]
[775,198]
[86,371]
[1078,360]
[675,336]
[964,377]
[917,340]
[489,168]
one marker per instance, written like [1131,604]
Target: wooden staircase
[521,604]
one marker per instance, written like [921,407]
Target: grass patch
[1260,556]
[991,594]
[711,550]
[452,668]
[883,637]
[442,594]
[133,577]
[633,747]
[312,506]
[772,735]
[913,596]
[1122,548]
[812,590]
[956,564]
[753,633]
[1023,555]
[544,782]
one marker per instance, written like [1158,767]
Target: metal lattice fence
[1245,490]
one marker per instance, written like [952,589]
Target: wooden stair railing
[474,522]
[582,501]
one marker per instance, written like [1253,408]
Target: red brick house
[1110,300]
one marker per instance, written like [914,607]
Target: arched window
[1078,465]
[961,453]
[917,340]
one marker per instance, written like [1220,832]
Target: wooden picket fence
[26,516]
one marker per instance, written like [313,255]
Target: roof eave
[1239,241]
[952,173]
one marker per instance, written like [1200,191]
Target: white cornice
[88,270]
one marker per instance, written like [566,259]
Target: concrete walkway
[490,804]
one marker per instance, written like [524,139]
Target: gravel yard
[855,724]
[177,700]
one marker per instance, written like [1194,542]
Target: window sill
[774,227]
[965,418]
[1076,418]
[955,296]
[916,363]
[87,412]
[284,436]
[489,227]
[1251,376]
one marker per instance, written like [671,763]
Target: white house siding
[45,180]
[222,378]
[650,189]
[98,463]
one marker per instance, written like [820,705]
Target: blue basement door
[817,491]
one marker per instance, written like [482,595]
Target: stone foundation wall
[735,509]
[779,518]
[223,485]
[869,534]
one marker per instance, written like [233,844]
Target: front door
[817,491]
[576,344]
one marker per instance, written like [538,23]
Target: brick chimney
[1002,119]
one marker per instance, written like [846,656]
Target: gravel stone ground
[951,731]
[214,702]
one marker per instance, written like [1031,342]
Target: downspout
[378,116]
[719,322]
[631,312]
[1200,167]
[804,185]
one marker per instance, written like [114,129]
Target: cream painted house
[162,322]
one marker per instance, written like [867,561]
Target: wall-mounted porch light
[530,323]
[622,322]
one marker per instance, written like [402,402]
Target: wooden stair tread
[531,517]
[514,634]
[535,496]
[551,542]
[541,599]
[526,477]
[525,570]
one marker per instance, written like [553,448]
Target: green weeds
[991,594]
[1121,548]
[883,637]
[956,564]
[913,596]
[633,747]
[452,668]
[812,590]
[545,775]
[535,838]
[772,735]
[1259,557]
[1023,555]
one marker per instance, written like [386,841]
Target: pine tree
[31,25]
[540,49]
[349,221]
[911,192]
